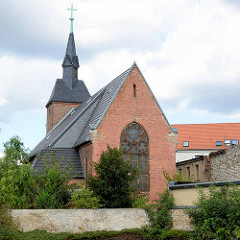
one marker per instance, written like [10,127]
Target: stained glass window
[134,143]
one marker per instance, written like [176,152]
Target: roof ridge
[87,122]
[75,119]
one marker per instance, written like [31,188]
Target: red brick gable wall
[56,111]
[144,110]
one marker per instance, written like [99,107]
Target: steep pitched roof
[73,130]
[62,93]
[66,158]
[204,136]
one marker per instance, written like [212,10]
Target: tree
[14,151]
[217,215]
[17,183]
[112,182]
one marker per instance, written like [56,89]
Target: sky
[187,50]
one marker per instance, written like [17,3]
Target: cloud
[187,51]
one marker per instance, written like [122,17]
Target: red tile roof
[204,136]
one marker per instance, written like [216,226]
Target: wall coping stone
[176,185]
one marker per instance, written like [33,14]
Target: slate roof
[73,129]
[69,88]
[66,157]
[62,93]
[204,136]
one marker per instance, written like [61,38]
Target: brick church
[123,114]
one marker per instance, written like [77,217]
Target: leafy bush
[112,180]
[178,177]
[217,215]
[140,201]
[160,216]
[83,198]
[53,190]
[17,184]
[6,220]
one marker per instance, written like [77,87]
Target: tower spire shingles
[70,62]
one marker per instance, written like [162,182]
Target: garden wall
[84,220]
[79,220]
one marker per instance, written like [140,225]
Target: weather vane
[71,18]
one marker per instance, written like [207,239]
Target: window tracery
[134,143]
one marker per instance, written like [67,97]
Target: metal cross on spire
[71,18]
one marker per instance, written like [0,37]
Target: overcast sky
[187,50]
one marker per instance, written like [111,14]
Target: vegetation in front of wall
[6,221]
[139,200]
[160,217]
[217,215]
[52,189]
[178,177]
[133,234]
[112,182]
[83,198]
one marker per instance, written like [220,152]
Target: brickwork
[86,157]
[197,169]
[143,109]
[56,111]
[225,164]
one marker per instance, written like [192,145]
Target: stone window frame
[143,139]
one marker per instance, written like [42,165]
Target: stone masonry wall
[79,220]
[56,111]
[181,221]
[225,165]
[84,220]
[143,109]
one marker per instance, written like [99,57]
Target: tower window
[134,90]
[75,73]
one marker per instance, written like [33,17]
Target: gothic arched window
[134,143]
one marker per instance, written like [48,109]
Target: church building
[123,114]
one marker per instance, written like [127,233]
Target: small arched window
[134,143]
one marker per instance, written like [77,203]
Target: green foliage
[83,198]
[217,215]
[15,151]
[178,177]
[17,184]
[6,220]
[160,216]
[140,201]
[112,180]
[53,190]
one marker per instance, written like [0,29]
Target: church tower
[68,92]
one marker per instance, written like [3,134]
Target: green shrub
[140,201]
[17,183]
[217,215]
[178,177]
[160,216]
[83,198]
[53,190]
[6,220]
[112,180]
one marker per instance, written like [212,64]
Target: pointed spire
[70,63]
